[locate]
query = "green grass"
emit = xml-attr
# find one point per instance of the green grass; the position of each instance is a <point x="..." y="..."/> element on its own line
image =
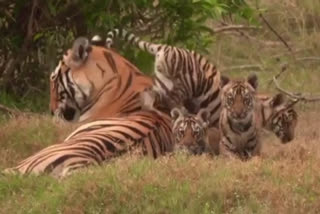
<point x="285" y="179"/>
<point x="37" y="102"/>
<point x="25" y="135"/>
<point x="141" y="185"/>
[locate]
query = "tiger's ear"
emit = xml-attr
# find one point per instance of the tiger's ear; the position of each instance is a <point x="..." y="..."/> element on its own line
<point x="80" y="51"/>
<point x="175" y="113"/>
<point x="204" y="115"/>
<point x="253" y="80"/>
<point x="277" y="100"/>
<point x="224" y="80"/>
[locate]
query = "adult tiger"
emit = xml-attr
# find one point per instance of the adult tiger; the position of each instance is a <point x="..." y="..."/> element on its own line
<point x="92" y="82"/>
<point x="182" y="77"/>
<point x="146" y="132"/>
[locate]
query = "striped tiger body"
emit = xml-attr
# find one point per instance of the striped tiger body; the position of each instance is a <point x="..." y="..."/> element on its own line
<point x="239" y="125"/>
<point x="93" y="82"/>
<point x="278" y="116"/>
<point x="182" y="77"/>
<point x="98" y="141"/>
<point x="275" y="115"/>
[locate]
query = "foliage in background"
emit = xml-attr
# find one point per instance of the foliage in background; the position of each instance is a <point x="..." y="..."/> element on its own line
<point x="34" y="33"/>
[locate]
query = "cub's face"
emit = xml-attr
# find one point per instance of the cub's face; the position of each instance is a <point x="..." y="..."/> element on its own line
<point x="190" y="131"/>
<point x="238" y="97"/>
<point x="280" y="116"/>
<point x="283" y="124"/>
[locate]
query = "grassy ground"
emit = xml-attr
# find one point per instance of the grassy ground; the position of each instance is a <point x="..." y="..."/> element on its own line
<point x="285" y="179"/>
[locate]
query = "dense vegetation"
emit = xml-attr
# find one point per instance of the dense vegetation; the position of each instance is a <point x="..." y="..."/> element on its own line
<point x="34" y="33"/>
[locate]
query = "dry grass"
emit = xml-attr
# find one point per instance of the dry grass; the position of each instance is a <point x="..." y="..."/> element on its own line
<point x="285" y="179"/>
<point x="23" y="136"/>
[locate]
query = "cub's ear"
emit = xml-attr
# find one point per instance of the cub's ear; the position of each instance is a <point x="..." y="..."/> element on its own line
<point x="253" y="80"/>
<point x="80" y="51"/>
<point x="277" y="100"/>
<point x="175" y="114"/>
<point x="224" y="80"/>
<point x="204" y="115"/>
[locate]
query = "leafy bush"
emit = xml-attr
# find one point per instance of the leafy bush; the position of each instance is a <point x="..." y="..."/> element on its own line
<point x="35" y="33"/>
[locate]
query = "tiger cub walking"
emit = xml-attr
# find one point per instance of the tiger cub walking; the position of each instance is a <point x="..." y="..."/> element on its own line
<point x="182" y="77"/>
<point x="239" y="125"/>
<point x="192" y="134"/>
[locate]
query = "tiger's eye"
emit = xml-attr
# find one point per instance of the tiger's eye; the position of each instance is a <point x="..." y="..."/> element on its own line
<point x="247" y="101"/>
<point x="229" y="100"/>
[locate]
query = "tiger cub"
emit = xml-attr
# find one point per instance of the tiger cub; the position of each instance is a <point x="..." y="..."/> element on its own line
<point x="192" y="134"/>
<point x="184" y="77"/>
<point x="239" y="125"/>
<point x="278" y="116"/>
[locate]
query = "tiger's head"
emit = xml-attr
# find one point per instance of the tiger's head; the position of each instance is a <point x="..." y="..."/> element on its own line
<point x="67" y="95"/>
<point x="280" y="116"/>
<point x="88" y="79"/>
<point x="238" y="97"/>
<point x="190" y="131"/>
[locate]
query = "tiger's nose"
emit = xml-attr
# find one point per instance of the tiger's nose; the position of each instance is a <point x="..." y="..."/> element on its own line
<point x="237" y="114"/>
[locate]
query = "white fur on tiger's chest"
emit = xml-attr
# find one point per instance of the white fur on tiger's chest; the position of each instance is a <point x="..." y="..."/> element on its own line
<point x="239" y="138"/>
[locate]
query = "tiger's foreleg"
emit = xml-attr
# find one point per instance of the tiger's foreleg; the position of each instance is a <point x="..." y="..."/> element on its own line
<point x="153" y="100"/>
<point x="225" y="152"/>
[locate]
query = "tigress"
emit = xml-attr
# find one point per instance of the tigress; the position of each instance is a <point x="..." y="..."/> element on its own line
<point x="97" y="83"/>
<point x="239" y="123"/>
<point x="182" y="77"/>
<point x="96" y="142"/>
<point x="93" y="82"/>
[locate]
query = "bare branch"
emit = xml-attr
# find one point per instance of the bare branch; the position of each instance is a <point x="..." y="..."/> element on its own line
<point x="239" y="32"/>
<point x="275" y="32"/>
<point x="234" y="27"/>
<point x="283" y="69"/>
<point x="8" y="110"/>
<point x="241" y="67"/>
<point x="295" y="96"/>
<point x="310" y="58"/>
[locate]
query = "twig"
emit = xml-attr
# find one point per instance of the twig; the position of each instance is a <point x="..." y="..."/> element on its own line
<point x="283" y="69"/>
<point x="234" y="27"/>
<point x="311" y="58"/>
<point x="9" y="110"/>
<point x="295" y="96"/>
<point x="275" y="32"/>
<point x="251" y="38"/>
<point x="241" y="67"/>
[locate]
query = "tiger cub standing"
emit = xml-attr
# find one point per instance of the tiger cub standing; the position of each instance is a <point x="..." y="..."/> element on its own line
<point x="239" y="125"/>
<point x="192" y="134"/>
<point x="182" y="77"/>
